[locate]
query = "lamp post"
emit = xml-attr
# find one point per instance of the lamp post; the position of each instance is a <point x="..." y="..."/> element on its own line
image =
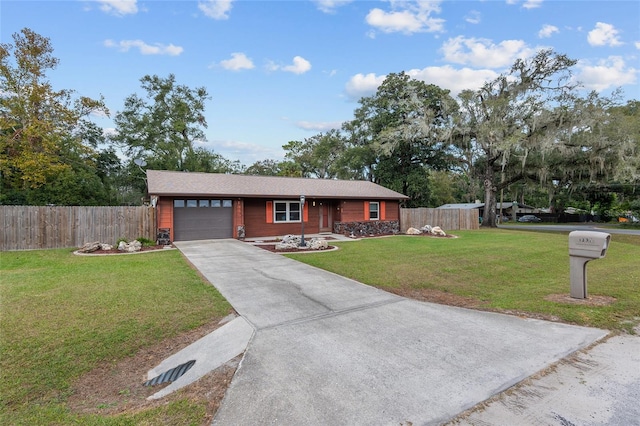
<point x="302" y="243"/>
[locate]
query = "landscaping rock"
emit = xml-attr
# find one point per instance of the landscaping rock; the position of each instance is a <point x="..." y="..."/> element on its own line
<point x="360" y="229"/>
<point x="131" y="247"/>
<point x="90" y="247"/>
<point x="426" y="229"/>
<point x="288" y="242"/>
<point x="106" y="247"/>
<point x="318" y="244"/>
<point x="293" y="242"/>
<point x="413" y="231"/>
<point x="290" y="239"/>
<point x="436" y="230"/>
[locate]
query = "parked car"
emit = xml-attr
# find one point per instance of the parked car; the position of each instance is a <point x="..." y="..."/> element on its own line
<point x="529" y="218"/>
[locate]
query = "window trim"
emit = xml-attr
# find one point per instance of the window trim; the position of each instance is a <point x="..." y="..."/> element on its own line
<point x="287" y="211"/>
<point x="377" y="211"/>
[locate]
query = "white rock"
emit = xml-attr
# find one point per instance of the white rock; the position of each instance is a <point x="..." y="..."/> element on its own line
<point x="318" y="244"/>
<point x="436" y="230"/>
<point x="413" y="231"/>
<point x="131" y="247"/>
<point x="90" y="247"/>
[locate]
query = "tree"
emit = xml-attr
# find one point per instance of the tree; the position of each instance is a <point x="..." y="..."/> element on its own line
<point x="598" y="162"/>
<point x="519" y="117"/>
<point x="318" y="155"/>
<point x="163" y="127"/>
<point x="399" y="134"/>
<point x="267" y="167"/>
<point x="47" y="141"/>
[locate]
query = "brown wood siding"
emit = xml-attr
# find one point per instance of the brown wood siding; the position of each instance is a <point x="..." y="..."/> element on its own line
<point x="391" y="210"/>
<point x="357" y="210"/>
<point x="352" y="211"/>
<point x="255" y="220"/>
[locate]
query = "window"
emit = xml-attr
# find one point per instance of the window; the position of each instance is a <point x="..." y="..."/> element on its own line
<point x="215" y="203"/>
<point x="374" y="210"/>
<point x="178" y="203"/>
<point x="286" y="211"/>
<point x="192" y="203"/>
<point x="203" y="203"/>
<point x="226" y="203"/>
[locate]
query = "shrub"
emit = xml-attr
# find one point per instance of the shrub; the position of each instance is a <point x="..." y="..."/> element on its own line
<point x="146" y="241"/>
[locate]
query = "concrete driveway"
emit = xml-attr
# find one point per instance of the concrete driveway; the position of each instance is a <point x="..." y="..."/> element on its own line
<point x="329" y="350"/>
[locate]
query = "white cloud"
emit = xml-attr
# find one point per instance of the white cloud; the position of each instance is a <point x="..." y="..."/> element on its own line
<point x="144" y="48"/>
<point x="119" y="7"/>
<point x="446" y="77"/>
<point x="547" y="31"/>
<point x="484" y="53"/>
<point x="473" y="17"/>
<point x="109" y="131"/>
<point x="323" y="126"/>
<point x="330" y="6"/>
<point x="455" y="80"/>
<point x="216" y="9"/>
<point x="363" y="85"/>
<point x="532" y="4"/>
<point x="604" y="35"/>
<point x="607" y="73"/>
<point x="528" y="4"/>
<point x="247" y="153"/>
<point x="299" y="66"/>
<point x="637" y="43"/>
<point x="407" y="17"/>
<point x="238" y="61"/>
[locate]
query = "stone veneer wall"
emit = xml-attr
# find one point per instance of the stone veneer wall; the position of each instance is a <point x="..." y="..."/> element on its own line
<point x="374" y="227"/>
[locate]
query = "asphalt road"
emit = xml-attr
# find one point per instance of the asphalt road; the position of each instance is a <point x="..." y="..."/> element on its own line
<point x="569" y="227"/>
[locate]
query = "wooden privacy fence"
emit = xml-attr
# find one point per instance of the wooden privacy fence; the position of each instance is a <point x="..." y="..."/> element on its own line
<point x="37" y="227"/>
<point x="447" y="219"/>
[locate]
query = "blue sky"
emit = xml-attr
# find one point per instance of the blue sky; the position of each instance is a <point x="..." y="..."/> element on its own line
<point x="286" y="70"/>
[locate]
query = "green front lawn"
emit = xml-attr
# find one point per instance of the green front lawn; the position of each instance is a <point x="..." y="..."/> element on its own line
<point x="64" y="315"/>
<point x="502" y="270"/>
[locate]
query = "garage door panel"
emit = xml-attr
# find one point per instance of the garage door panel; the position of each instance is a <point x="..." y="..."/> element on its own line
<point x="202" y="223"/>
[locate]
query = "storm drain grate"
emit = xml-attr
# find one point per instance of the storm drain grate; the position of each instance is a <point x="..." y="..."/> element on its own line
<point x="171" y="375"/>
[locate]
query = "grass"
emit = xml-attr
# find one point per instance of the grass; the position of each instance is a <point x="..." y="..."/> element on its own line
<point x="502" y="270"/>
<point x="63" y="315"/>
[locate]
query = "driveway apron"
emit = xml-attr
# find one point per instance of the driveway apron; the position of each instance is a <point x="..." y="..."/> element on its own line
<point x="330" y="350"/>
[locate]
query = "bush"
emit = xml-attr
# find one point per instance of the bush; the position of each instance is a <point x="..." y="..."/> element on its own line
<point x="146" y="242"/>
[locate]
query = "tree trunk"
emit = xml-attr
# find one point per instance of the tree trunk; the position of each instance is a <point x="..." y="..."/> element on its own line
<point x="489" y="216"/>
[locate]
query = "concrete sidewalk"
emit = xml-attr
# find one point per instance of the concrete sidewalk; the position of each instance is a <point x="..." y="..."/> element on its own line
<point x="329" y="350"/>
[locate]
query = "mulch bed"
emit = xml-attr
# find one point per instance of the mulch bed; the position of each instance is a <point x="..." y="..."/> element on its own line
<point x="272" y="248"/>
<point x="116" y="251"/>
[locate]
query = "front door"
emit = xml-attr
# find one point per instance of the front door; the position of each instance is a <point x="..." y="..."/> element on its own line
<point x="326" y="220"/>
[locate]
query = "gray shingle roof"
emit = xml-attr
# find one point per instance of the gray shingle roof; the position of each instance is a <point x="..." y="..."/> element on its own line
<point x="462" y="206"/>
<point x="166" y="183"/>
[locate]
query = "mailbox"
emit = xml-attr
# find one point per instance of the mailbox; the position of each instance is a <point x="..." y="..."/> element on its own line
<point x="591" y="245"/>
<point x="583" y="247"/>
